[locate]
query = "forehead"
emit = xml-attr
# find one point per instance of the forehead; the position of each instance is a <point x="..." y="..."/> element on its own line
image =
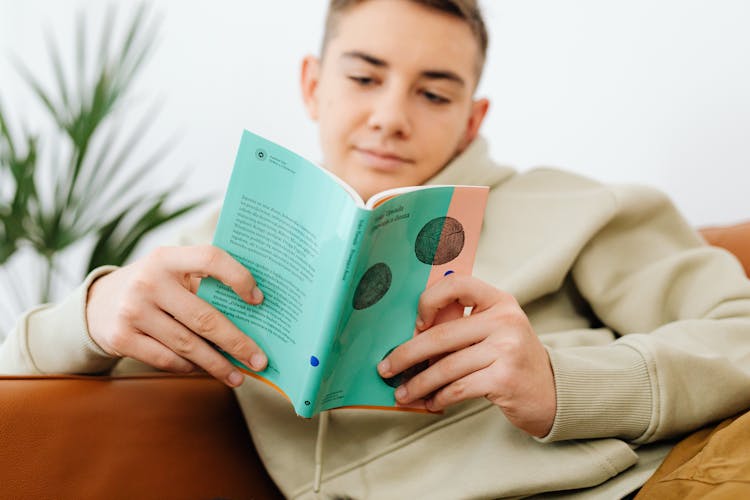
<point x="408" y="36"/>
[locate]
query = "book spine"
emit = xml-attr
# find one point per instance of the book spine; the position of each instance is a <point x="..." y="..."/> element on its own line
<point x="354" y="248"/>
<point x="309" y="403"/>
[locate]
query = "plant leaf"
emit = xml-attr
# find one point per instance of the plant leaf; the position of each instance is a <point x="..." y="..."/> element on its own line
<point x="39" y="91"/>
<point x="115" y="250"/>
<point x="62" y="86"/>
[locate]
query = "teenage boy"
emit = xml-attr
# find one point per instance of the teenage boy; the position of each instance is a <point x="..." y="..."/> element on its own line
<point x="601" y="324"/>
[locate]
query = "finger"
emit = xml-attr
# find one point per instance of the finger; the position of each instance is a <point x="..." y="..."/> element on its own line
<point x="473" y="386"/>
<point x="440" y="339"/>
<point x="144" y="348"/>
<point x="445" y="371"/>
<point x="194" y="283"/>
<point x="448" y="313"/>
<point x="208" y="260"/>
<point x="464" y="290"/>
<point x="206" y="321"/>
<point x="187" y="345"/>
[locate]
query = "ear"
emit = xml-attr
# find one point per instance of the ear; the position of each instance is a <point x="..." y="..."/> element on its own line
<point x="309" y="78"/>
<point x="476" y="117"/>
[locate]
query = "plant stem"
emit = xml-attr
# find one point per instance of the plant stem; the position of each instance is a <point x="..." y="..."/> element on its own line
<point x="47" y="280"/>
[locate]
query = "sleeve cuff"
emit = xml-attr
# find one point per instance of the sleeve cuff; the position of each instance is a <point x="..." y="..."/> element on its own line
<point x="602" y="391"/>
<point x="59" y="339"/>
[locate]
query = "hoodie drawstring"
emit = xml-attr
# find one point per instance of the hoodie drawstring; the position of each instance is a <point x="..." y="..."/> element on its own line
<point x="322" y="430"/>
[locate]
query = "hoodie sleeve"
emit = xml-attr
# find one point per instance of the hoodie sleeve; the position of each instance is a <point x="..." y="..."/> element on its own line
<point x="682" y="313"/>
<point x="54" y="338"/>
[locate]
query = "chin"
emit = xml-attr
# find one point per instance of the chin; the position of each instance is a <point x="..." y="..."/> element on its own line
<point x="366" y="190"/>
<point x="368" y="182"/>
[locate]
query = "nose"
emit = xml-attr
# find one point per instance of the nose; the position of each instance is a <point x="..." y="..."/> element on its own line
<point x="390" y="113"/>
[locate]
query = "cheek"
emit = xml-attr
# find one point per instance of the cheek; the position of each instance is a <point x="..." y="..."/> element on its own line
<point x="330" y="125"/>
<point x="440" y="137"/>
<point x="443" y="135"/>
<point x="338" y="117"/>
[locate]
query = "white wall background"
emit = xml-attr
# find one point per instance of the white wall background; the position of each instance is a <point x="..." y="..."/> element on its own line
<point x="646" y="91"/>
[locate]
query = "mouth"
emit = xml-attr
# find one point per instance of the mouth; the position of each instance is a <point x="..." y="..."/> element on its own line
<point x="382" y="160"/>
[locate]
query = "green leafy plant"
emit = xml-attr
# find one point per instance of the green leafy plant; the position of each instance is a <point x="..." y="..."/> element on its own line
<point x="79" y="182"/>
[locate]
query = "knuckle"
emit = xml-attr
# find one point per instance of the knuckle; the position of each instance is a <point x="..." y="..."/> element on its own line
<point x="506" y="297"/>
<point x="238" y="346"/>
<point x="142" y="285"/>
<point x="453" y="281"/>
<point x="400" y="357"/>
<point x="184" y="343"/>
<point x="244" y="276"/>
<point x="165" y="361"/>
<point x="205" y="321"/>
<point x="158" y="254"/>
<point x="118" y="340"/>
<point x="503" y="378"/>
<point x="447" y="366"/>
<point x="503" y="383"/>
<point x="461" y="280"/>
<point x="508" y="345"/>
<point x="457" y="284"/>
<point x="413" y="385"/>
<point x="456" y="391"/>
<point x="516" y="317"/>
<point x="170" y="362"/>
<point x="441" y="334"/>
<point x="127" y="313"/>
<point x="242" y="282"/>
<point x="398" y="354"/>
<point x="210" y="255"/>
<point x="218" y="367"/>
<point x="508" y="318"/>
<point x="395" y="359"/>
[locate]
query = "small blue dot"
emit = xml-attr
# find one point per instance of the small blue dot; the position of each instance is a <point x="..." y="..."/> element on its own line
<point x="314" y="361"/>
<point x="448" y="272"/>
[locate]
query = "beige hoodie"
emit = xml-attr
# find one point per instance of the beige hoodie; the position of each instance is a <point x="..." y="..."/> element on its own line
<point x="648" y="331"/>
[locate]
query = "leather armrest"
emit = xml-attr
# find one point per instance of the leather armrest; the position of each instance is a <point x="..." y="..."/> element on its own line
<point x="735" y="238"/>
<point x="146" y="436"/>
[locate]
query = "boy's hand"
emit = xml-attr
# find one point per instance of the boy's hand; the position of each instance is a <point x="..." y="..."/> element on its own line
<point x="493" y="353"/>
<point x="148" y="310"/>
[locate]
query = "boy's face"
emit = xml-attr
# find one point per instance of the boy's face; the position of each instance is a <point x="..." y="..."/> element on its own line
<point x="393" y="94"/>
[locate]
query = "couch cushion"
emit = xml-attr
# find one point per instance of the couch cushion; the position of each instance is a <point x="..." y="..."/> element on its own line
<point x="147" y="436"/>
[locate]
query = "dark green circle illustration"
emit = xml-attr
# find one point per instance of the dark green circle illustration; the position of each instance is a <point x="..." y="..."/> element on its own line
<point x="261" y="154"/>
<point x="405" y="375"/>
<point x="372" y="286"/>
<point x="439" y="241"/>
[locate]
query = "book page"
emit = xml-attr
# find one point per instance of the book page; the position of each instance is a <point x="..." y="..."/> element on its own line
<point x="286" y="221"/>
<point x="411" y="241"/>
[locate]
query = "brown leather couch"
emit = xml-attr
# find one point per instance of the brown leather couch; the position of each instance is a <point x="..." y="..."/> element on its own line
<point x="148" y="436"/>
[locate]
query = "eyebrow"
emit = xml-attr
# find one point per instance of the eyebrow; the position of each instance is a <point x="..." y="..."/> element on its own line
<point x="429" y="74"/>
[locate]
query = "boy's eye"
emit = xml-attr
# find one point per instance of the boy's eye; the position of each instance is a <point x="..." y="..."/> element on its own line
<point x="362" y="80"/>
<point x="434" y="98"/>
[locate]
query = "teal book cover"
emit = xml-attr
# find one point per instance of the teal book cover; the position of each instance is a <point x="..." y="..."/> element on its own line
<point x="341" y="276"/>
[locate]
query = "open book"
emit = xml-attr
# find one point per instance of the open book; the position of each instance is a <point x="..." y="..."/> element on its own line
<point x="341" y="277"/>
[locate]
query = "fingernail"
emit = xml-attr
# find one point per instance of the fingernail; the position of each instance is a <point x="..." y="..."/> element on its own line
<point x="420" y="323"/>
<point x="384" y="367"/>
<point x="257" y="362"/>
<point x="236" y="378"/>
<point x="401" y="393"/>
<point x="257" y="295"/>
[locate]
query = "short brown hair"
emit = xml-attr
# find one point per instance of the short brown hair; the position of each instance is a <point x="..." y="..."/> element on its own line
<point x="466" y="10"/>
